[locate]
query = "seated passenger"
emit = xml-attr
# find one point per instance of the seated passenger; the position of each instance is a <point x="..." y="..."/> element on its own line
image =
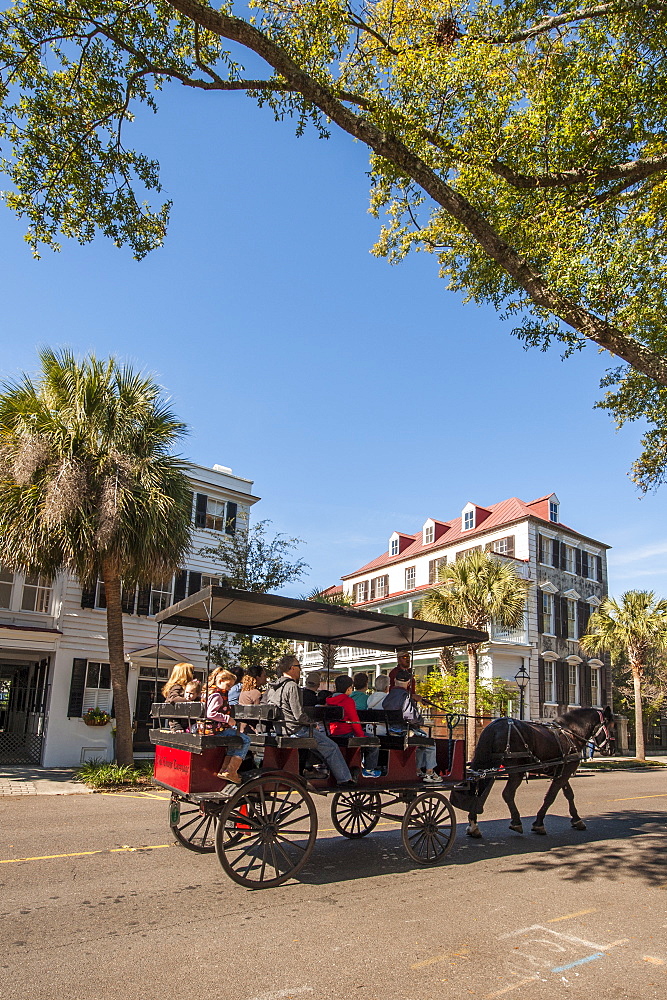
<point x="350" y="725"/>
<point x="310" y="689"/>
<point x="174" y="691"/>
<point x="375" y="701"/>
<point x="192" y="693"/>
<point x="360" y="693"/>
<point x="400" y="699"/>
<point x="217" y="711"/>
<point x="284" y="693"/>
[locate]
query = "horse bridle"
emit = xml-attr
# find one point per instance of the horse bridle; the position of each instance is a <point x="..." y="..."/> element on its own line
<point x="602" y="744"/>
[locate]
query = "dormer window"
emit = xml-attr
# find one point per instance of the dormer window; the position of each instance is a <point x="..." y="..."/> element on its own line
<point x="553" y="511"/>
<point x="468" y="519"/>
<point x="429" y="534"/>
<point x="393" y="547"/>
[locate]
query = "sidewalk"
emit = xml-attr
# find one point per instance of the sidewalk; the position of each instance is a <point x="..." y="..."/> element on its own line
<point x="40" y="781"/>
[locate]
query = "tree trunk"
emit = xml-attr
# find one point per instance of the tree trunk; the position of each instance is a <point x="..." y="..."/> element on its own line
<point x="640" y="750"/>
<point x="112" y="588"/>
<point x="471" y="729"/>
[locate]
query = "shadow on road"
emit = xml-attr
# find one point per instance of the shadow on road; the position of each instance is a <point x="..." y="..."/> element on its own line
<point x="627" y="845"/>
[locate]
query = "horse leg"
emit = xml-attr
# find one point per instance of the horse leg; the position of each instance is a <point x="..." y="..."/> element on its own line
<point x="509" y="791"/>
<point x="575" y="818"/>
<point x="472" y="829"/>
<point x="552" y="791"/>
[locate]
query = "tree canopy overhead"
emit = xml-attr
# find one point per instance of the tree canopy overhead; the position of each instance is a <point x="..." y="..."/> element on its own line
<point x="522" y="143"/>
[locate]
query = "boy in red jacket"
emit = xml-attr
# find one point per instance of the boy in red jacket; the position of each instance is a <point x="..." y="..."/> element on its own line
<point x="350" y="725"/>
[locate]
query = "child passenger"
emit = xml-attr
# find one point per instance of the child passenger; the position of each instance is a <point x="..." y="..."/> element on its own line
<point x="350" y="725"/>
<point x="218" y="711"/>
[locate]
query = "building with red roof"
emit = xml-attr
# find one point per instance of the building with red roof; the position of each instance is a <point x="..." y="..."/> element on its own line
<point x="568" y="573"/>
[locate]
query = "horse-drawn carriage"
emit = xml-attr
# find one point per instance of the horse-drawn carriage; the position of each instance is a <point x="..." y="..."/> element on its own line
<point x="263" y="830"/>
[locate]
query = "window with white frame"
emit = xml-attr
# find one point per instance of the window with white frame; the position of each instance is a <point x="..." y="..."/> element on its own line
<point x="595" y="686"/>
<point x="468" y="520"/>
<point x="571" y="619"/>
<point x="379" y="587"/>
<point x="209" y="581"/>
<point x="393" y="547"/>
<point x="97" y="692"/>
<point x="546" y="550"/>
<point x="434" y="567"/>
<point x="429" y="534"/>
<point x="410" y="577"/>
<point x="36" y="593"/>
<point x="553" y="511"/>
<point x="361" y="592"/>
<point x="549" y="693"/>
<point x="6" y="585"/>
<point x="215" y="514"/>
<point x="161" y="595"/>
<point x="573" y="683"/>
<point x="503" y="546"/>
<point x="547" y="613"/>
<point x="570" y="559"/>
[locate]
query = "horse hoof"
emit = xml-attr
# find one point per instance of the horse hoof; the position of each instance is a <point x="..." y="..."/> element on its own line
<point x="475" y="834"/>
<point x="579" y="825"/>
<point x="517" y="827"/>
<point x="539" y="829"/>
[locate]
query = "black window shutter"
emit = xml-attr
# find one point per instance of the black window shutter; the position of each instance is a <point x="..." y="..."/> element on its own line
<point x="230" y="519"/>
<point x="540" y="683"/>
<point x="200" y="510"/>
<point x="598" y="567"/>
<point x="179" y="585"/>
<point x="373" y="589"/>
<point x="583" y="612"/>
<point x="540" y="613"/>
<point x="561" y="673"/>
<point x="194" y="583"/>
<point x="88" y="595"/>
<point x="488" y="547"/>
<point x="555" y="559"/>
<point x="188" y="503"/>
<point x="144" y="600"/>
<point x="585" y="696"/>
<point x="510" y="545"/>
<point x="563" y="555"/>
<point x="127" y="597"/>
<point x="431" y="571"/>
<point x="558" y="624"/>
<point x="584" y="564"/>
<point x="577" y="561"/>
<point x="563" y="616"/>
<point x="76" y="689"/>
<point x="540" y="549"/>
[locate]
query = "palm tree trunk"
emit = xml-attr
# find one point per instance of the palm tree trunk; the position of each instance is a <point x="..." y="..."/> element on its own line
<point x="471" y="734"/>
<point x="112" y="588"/>
<point x="640" y="750"/>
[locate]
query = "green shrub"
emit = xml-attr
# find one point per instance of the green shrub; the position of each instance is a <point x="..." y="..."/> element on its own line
<point x="100" y="774"/>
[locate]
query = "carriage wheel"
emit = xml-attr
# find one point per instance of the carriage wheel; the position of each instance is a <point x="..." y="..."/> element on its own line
<point x="278" y="824"/>
<point x="191" y="827"/>
<point x="429" y="828"/>
<point x="355" y="814"/>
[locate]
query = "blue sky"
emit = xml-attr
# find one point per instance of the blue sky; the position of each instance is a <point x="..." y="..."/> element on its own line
<point x="360" y="397"/>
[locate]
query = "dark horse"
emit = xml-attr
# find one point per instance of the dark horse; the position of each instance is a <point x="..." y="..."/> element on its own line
<point x="553" y="749"/>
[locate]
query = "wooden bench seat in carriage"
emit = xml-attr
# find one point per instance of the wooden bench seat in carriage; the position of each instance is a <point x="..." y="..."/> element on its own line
<point x="188" y="762"/>
<point x="280" y="751"/>
<point x="394" y="719"/>
<point x="326" y="714"/>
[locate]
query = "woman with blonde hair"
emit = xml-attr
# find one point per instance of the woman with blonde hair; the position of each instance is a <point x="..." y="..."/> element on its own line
<point x="219" y="713"/>
<point x="174" y="690"/>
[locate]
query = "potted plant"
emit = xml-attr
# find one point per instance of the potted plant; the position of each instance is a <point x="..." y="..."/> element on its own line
<point x="96" y="717"/>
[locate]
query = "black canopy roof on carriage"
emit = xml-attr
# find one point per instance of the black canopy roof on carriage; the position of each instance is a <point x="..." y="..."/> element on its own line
<point x="226" y="610"/>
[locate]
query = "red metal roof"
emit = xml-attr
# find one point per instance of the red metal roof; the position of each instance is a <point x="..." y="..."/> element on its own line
<point x="506" y="512"/>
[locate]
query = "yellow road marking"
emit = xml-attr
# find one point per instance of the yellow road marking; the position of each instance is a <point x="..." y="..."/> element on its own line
<point x="662" y="795"/>
<point x="513" y="986"/>
<point x="83" y="854"/>
<point x="613" y="944"/>
<point x="568" y="916"/>
<point x="653" y="961"/>
<point x="428" y="961"/>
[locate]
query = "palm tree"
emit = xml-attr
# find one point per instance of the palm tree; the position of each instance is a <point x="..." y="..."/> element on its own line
<point x="637" y="626"/>
<point x="88" y="484"/>
<point x="336" y="596"/>
<point x="473" y="592"/>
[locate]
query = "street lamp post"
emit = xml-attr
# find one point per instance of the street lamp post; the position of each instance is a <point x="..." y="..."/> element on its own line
<point x="522" y="677"/>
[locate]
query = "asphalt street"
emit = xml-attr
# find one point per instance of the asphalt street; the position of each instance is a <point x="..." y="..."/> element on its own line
<point x="97" y="902"/>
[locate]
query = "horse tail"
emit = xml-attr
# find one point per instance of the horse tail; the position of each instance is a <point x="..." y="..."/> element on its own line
<point x="491" y="746"/>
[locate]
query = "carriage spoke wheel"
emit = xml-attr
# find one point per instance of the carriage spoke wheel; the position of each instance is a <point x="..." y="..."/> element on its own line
<point x="429" y="828"/>
<point x="355" y="814"/>
<point x="191" y="827"/>
<point x="277" y="823"/>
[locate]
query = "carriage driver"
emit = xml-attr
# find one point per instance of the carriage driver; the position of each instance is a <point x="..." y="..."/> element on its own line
<point x="284" y="693"/>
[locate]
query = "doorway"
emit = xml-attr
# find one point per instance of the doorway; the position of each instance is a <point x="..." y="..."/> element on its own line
<point x="23" y="698"/>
